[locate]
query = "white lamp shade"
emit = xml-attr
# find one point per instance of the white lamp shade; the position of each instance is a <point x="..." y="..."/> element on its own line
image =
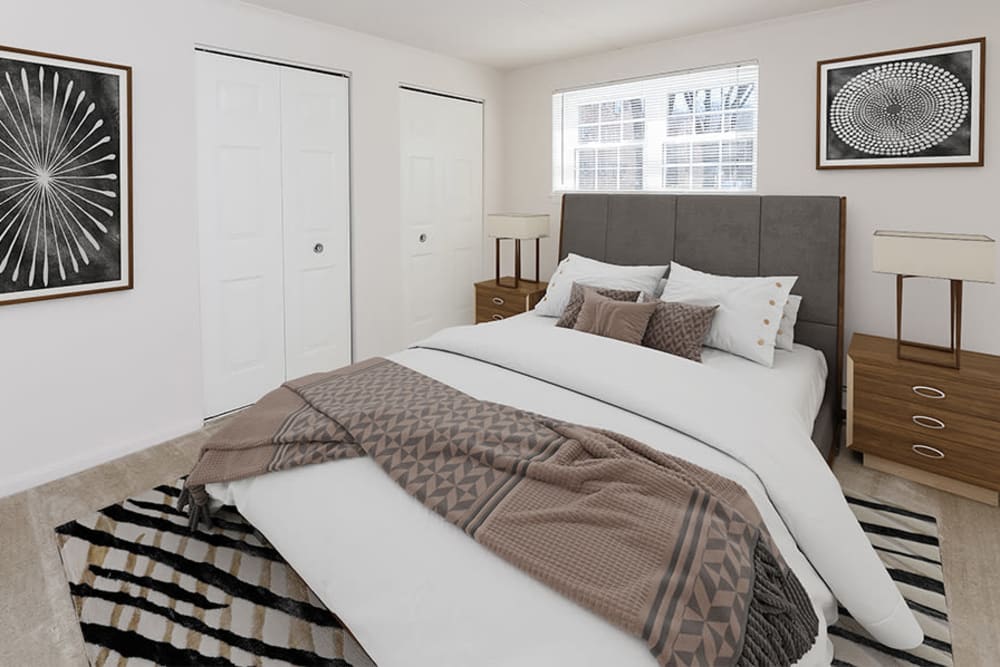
<point x="517" y="226"/>
<point x="935" y="255"/>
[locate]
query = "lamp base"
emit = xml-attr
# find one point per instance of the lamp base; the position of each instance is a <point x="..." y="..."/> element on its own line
<point x="925" y="353"/>
<point x="510" y="282"/>
<point x="517" y="264"/>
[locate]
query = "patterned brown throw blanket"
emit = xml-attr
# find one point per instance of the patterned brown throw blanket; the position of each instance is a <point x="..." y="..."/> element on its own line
<point x="663" y="549"/>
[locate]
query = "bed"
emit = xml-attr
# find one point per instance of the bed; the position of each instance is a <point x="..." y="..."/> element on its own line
<point x="737" y="236"/>
<point x="416" y="591"/>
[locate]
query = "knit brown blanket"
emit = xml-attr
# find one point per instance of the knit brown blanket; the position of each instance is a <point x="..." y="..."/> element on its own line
<point x="661" y="548"/>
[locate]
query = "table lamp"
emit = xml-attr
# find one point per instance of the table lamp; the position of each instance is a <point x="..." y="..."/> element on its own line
<point x="519" y="227"/>
<point x="954" y="257"/>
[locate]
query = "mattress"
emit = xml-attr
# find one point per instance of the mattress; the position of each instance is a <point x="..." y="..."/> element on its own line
<point x="413" y="588"/>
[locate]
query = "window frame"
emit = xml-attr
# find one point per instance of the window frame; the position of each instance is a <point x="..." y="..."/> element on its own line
<point x="740" y="164"/>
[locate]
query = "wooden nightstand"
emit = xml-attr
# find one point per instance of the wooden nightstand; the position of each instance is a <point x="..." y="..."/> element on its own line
<point x="495" y="302"/>
<point x="932" y="425"/>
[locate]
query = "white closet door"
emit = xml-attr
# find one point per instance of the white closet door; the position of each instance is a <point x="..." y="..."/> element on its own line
<point x="441" y="172"/>
<point x="317" y="254"/>
<point x="239" y="209"/>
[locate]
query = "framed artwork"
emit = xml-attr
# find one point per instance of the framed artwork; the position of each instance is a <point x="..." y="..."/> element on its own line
<point x="65" y="176"/>
<point x="919" y="107"/>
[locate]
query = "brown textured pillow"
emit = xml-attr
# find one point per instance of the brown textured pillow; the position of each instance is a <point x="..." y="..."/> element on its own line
<point x="572" y="309"/>
<point x="621" y="320"/>
<point x="678" y="328"/>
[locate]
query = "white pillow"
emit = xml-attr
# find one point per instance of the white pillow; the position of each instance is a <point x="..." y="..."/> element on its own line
<point x="786" y="332"/>
<point x="749" y="314"/>
<point x="586" y="271"/>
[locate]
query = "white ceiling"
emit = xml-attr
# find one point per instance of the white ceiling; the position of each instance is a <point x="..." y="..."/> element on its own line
<point x="514" y="33"/>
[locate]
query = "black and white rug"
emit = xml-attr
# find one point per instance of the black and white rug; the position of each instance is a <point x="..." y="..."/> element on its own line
<point x="908" y="543"/>
<point x="148" y="591"/>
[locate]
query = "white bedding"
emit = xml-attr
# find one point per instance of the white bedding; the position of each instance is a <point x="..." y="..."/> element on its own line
<point x="797" y="379"/>
<point x="417" y="591"/>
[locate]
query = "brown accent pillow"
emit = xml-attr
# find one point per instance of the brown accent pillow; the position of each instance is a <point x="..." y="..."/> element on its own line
<point x="678" y="328"/>
<point x="575" y="303"/>
<point x="621" y="320"/>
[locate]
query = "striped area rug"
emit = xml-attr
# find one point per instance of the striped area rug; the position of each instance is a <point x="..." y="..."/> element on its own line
<point x="908" y="544"/>
<point x="146" y="590"/>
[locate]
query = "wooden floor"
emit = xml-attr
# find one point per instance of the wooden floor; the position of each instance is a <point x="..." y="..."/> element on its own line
<point x="38" y="625"/>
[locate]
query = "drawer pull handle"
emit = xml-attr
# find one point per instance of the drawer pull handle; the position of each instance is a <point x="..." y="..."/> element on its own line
<point x="498" y="301"/>
<point x="928" y="452"/>
<point x="928" y="422"/>
<point x="928" y="392"/>
<point x="498" y="317"/>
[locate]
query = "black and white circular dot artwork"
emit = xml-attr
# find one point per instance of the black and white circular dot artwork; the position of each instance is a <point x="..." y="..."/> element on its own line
<point x="899" y="109"/>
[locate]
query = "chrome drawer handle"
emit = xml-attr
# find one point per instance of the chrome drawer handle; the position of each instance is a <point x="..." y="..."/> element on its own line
<point x="928" y="422"/>
<point x="928" y="392"/>
<point x="928" y="452"/>
<point x="498" y="317"/>
<point x="498" y="301"/>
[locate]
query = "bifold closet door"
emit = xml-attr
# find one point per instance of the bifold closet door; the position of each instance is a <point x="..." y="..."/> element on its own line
<point x="441" y="175"/>
<point x="316" y="214"/>
<point x="273" y="182"/>
<point x="239" y="212"/>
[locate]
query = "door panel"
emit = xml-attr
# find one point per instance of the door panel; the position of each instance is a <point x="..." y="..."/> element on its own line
<point x="239" y="208"/>
<point x="316" y="212"/>
<point x="239" y="314"/>
<point x="441" y="174"/>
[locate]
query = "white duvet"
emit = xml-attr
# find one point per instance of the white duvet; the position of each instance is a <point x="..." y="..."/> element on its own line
<point x="417" y="592"/>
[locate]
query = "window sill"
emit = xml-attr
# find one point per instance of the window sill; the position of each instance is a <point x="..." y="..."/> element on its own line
<point x="555" y="194"/>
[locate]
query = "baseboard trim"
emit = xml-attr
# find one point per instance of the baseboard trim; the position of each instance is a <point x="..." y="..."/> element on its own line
<point x="29" y="479"/>
<point x="940" y="482"/>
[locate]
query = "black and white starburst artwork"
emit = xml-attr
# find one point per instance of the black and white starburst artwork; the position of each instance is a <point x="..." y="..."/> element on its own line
<point x="64" y="224"/>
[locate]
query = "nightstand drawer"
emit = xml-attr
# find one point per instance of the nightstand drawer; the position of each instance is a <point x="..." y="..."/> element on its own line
<point x="491" y="314"/>
<point x="972" y="464"/>
<point x="497" y="302"/>
<point x="932" y="393"/>
<point x="920" y="420"/>
<point x="501" y="301"/>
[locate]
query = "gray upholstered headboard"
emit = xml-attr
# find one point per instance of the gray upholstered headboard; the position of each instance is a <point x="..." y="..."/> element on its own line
<point x="731" y="235"/>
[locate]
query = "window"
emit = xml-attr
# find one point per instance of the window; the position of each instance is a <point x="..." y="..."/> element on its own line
<point x="690" y="131"/>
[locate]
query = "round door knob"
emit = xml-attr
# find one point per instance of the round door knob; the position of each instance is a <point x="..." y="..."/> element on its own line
<point x="422" y="238"/>
<point x="318" y="248"/>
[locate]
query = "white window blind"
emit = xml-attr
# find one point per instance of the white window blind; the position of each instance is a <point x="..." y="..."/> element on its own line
<point x="688" y="131"/>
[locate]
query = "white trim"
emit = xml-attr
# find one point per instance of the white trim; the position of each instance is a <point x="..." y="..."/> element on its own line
<point x="37" y="476"/>
<point x="427" y="90"/>
<point x="559" y="193"/>
<point x="285" y="62"/>
<point x="658" y="75"/>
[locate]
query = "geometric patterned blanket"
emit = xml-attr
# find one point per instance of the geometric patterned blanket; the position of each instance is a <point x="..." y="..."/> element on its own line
<point x="663" y="549"/>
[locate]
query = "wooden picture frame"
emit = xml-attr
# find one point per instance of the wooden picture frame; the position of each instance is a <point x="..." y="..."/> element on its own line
<point x="65" y="176"/>
<point x="916" y="107"/>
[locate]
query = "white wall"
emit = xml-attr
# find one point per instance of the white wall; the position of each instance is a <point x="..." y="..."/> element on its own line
<point x="955" y="199"/>
<point x="86" y="379"/>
